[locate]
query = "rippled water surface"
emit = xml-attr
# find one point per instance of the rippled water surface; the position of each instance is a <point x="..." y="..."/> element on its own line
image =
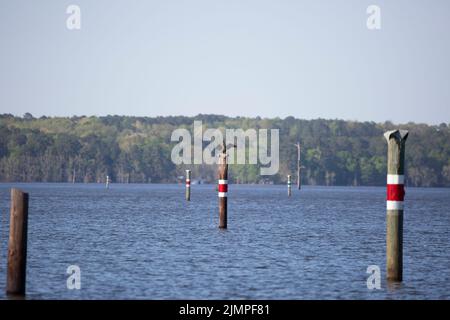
<point x="146" y="242"/>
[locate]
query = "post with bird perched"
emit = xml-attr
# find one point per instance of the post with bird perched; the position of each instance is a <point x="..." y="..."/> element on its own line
<point x="394" y="205"/>
<point x="223" y="187"/>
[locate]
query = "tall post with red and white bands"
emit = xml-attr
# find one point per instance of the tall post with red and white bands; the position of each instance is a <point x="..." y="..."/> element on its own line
<point x="394" y="203"/>
<point x="223" y="189"/>
<point x="188" y="185"/>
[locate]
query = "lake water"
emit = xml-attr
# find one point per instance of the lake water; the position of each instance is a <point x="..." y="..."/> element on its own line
<point x="147" y="242"/>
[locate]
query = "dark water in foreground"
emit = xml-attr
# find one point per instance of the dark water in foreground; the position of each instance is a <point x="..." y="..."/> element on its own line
<point x="146" y="242"/>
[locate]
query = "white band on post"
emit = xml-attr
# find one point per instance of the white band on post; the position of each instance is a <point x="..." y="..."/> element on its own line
<point x="394" y="205"/>
<point x="395" y="179"/>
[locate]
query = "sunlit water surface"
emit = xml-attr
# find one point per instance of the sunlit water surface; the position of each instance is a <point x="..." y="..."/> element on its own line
<point x="147" y="242"/>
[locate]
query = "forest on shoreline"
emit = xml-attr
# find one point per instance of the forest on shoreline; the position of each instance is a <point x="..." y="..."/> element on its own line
<point x="138" y="150"/>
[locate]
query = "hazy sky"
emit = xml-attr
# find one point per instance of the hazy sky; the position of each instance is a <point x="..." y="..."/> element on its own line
<point x="307" y="59"/>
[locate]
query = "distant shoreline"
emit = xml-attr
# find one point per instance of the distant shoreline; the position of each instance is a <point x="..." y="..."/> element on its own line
<point x="206" y="184"/>
<point x="138" y="150"/>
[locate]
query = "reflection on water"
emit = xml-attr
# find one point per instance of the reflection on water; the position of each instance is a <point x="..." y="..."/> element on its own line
<point x="394" y="286"/>
<point x="147" y="242"/>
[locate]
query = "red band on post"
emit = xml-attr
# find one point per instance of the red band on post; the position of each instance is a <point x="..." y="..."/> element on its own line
<point x="395" y="192"/>
<point x="223" y="188"/>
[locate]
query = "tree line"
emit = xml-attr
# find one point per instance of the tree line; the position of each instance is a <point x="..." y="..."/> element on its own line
<point x="138" y="150"/>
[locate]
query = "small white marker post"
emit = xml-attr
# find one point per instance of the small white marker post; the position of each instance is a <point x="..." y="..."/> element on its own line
<point x="188" y="185"/>
<point x="289" y="184"/>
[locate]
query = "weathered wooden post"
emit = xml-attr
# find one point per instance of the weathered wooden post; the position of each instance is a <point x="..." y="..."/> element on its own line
<point x="299" y="166"/>
<point x="188" y="185"/>
<point x="17" y="244"/>
<point x="223" y="187"/>
<point x="394" y="205"/>
<point x="289" y="184"/>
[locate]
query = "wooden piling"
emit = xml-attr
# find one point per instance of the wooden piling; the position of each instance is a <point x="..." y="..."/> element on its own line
<point x="188" y="185"/>
<point x="223" y="187"/>
<point x="289" y="184"/>
<point x="17" y="244"/>
<point x="394" y="203"/>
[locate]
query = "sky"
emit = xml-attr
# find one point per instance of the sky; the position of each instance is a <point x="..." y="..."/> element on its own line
<point x="278" y="58"/>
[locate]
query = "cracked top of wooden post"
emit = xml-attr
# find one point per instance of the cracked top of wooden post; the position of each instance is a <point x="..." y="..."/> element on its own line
<point x="398" y="134"/>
